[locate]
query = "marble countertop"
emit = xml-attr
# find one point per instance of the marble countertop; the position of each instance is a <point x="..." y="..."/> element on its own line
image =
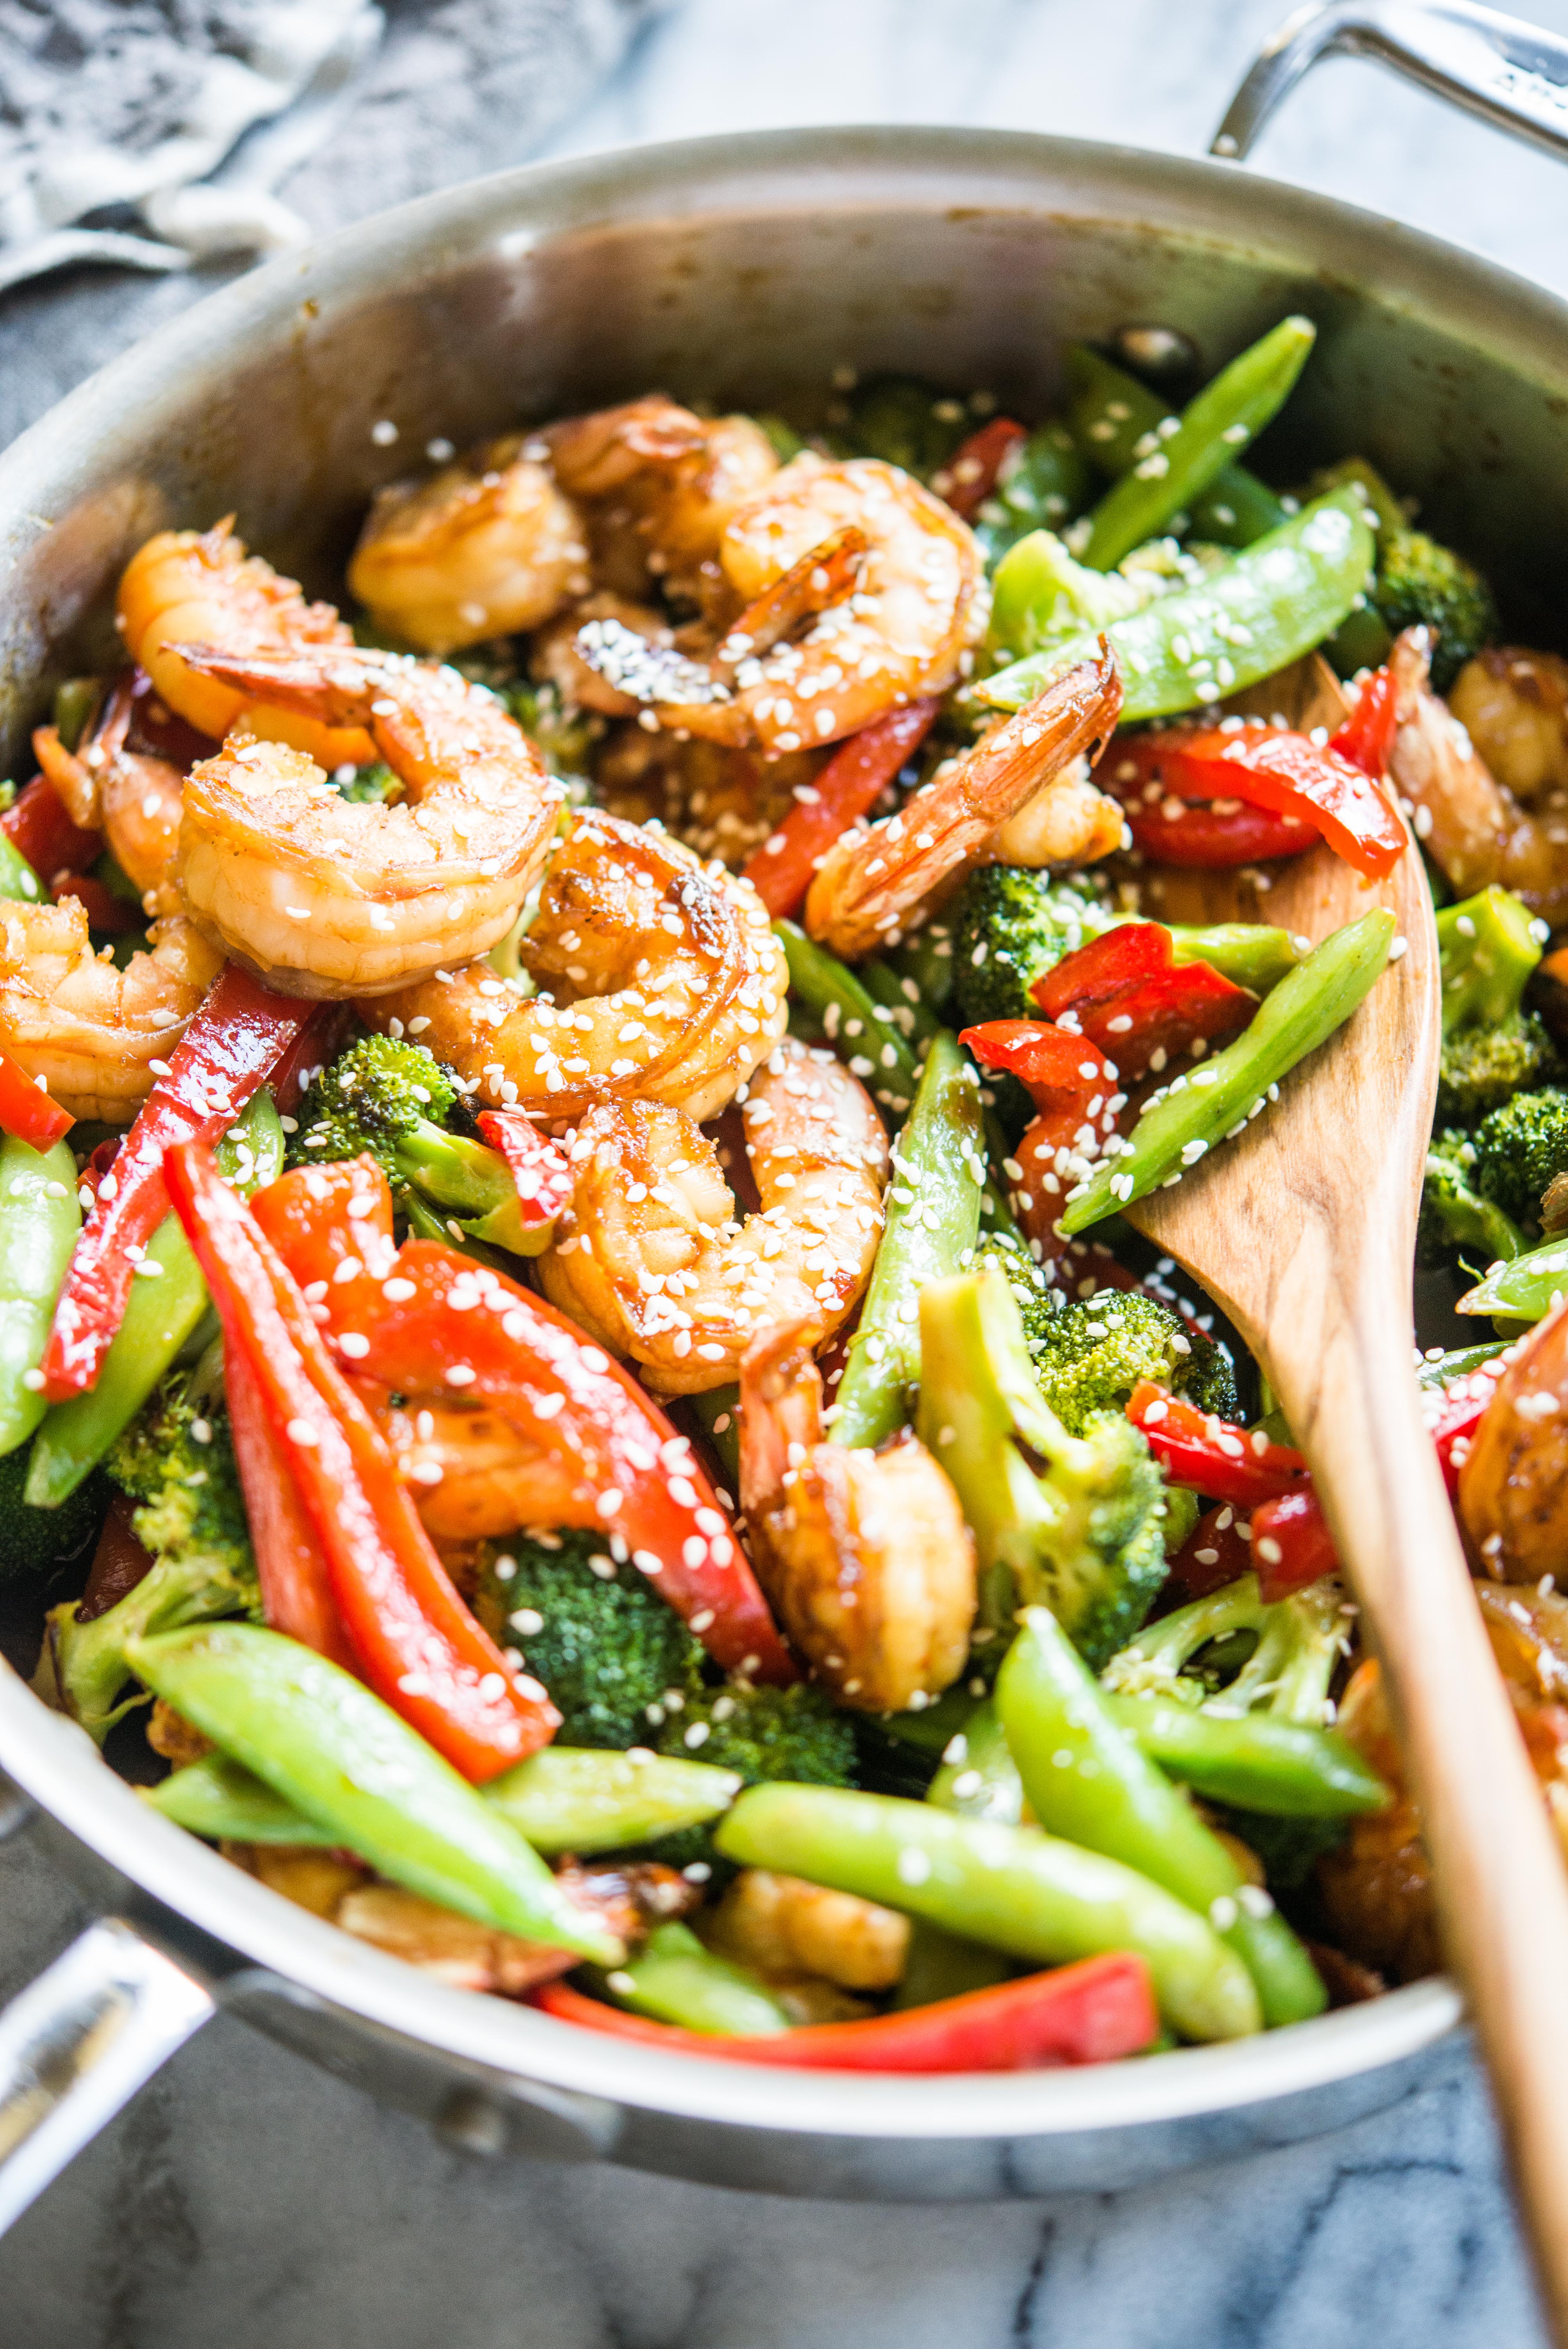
<point x="248" y="2199"/>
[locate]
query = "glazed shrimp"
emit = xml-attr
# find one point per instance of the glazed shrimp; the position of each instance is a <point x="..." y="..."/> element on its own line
<point x="651" y="1258"/>
<point x="1513" y="1486"/>
<point x="473" y="1475"/>
<point x="1472" y="823"/>
<point x="876" y="873"/>
<point x="784" y="1927"/>
<point x="661" y="484"/>
<point x="93" y="1033"/>
<point x="325" y="897"/>
<point x="886" y="575"/>
<point x="1513" y="705"/>
<point x="865" y="1555"/>
<point x="133" y="797"/>
<point x="201" y="588"/>
<point x="668" y="984"/>
<point x="487" y="547"/>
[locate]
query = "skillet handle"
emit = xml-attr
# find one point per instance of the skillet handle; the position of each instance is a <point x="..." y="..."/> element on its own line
<point x="1513" y="74"/>
<point x="76" y="2045"/>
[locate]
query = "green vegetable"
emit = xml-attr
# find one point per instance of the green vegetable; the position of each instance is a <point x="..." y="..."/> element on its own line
<point x="1089" y="1781"/>
<point x="560" y="1800"/>
<point x="1291" y="1652"/>
<point x="716" y="1412"/>
<point x="1457" y="1364"/>
<point x="392" y="1097"/>
<point x="1113" y="414"/>
<point x="1263" y="610"/>
<point x="33" y="1540"/>
<point x="564" y="738"/>
<point x="40" y="1215"/>
<point x="321" y="1740"/>
<point x="1091" y="1353"/>
<point x="932" y="1221"/>
<point x="1042" y="597"/>
<point x="676" y="1980"/>
<point x="1481" y="1068"/>
<point x="163" y="1316"/>
<point x="1492" y="1046"/>
<point x="1252" y="1760"/>
<point x="1420" y="584"/>
<point x="758" y="1734"/>
<point x="979" y="1777"/>
<point x="1526" y="1288"/>
<point x="17" y="878"/>
<point x="1519" y="1149"/>
<point x="1453" y="1213"/>
<point x="1041" y="486"/>
<point x="610" y="1651"/>
<point x="1082" y="1533"/>
<point x="75" y="702"/>
<point x="1215" y="427"/>
<point x="1019" y="1891"/>
<point x="1184" y="1120"/>
<point x="906" y="423"/>
<point x="840" y="1008"/>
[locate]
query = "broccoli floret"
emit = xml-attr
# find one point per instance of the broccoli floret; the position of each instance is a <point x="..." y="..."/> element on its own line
<point x="176" y="1461"/>
<point x="1481" y="1068"/>
<point x="617" y="1660"/>
<point x="392" y="1099"/>
<point x="906" y="422"/>
<point x="1421" y="584"/>
<point x="1234" y="1653"/>
<point x="797" y="1733"/>
<point x="32" y="1540"/>
<point x="1492" y="1046"/>
<point x="1519" y="1149"/>
<point x="1453" y="1213"/>
<point x="1090" y="1354"/>
<point x="1010" y="926"/>
<point x="1080" y="1534"/>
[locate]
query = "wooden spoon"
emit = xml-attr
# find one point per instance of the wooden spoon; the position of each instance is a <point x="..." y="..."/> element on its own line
<point x="1303" y="1230"/>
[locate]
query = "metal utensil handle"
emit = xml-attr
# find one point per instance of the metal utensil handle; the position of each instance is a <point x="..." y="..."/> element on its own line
<point x="1513" y="74"/>
<point x="76" y="2045"/>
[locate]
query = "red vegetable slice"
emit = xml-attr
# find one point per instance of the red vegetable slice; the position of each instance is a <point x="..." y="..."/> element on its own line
<point x="296" y="1588"/>
<point x="853" y="781"/>
<point x="1129" y="996"/>
<point x="226" y="1054"/>
<point x="1272" y="768"/>
<point x="103" y="910"/>
<point x="320" y="1217"/>
<point x="1215" y="1552"/>
<point x="1366" y="737"/>
<point x="26" y="1109"/>
<point x="539" y="1167"/>
<point x="1292" y="1546"/>
<point x="1213" y="840"/>
<point x="1464" y="1404"/>
<point x="419" y="1647"/>
<point x="1091" y="2012"/>
<point x="1211" y="1454"/>
<point x="38" y="826"/>
<point x="972" y="472"/>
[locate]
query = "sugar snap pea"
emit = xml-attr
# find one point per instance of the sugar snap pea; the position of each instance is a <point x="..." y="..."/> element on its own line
<point x="1524" y="1289"/>
<point x="40" y="1215"/>
<point x="1013" y="1887"/>
<point x="1184" y="1120"/>
<point x="842" y="1012"/>
<point x="1087" y="1780"/>
<point x="1251" y="1759"/>
<point x="1263" y="610"/>
<point x="1213" y="428"/>
<point x="1113" y="415"/>
<point x="676" y="1980"/>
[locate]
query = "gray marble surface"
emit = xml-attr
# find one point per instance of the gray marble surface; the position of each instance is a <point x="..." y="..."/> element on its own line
<point x="247" y="2200"/>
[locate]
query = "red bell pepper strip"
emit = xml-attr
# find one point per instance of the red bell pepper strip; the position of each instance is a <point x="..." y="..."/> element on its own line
<point x="972" y="472"/>
<point x="1211" y="1454"/>
<point x="38" y="826"/>
<point x="320" y="1217"/>
<point x="539" y="1166"/>
<point x="318" y="1043"/>
<point x="442" y="1324"/>
<point x="1073" y="1086"/>
<point x="1216" y="1551"/>
<point x="1291" y="1545"/>
<point x="1213" y="840"/>
<point x="296" y="1588"/>
<point x="1464" y="1406"/>
<point x="853" y="781"/>
<point x="26" y="1109"/>
<point x="1366" y="737"/>
<point x="103" y="910"/>
<point x="226" y="1054"/>
<point x="1272" y="768"/>
<point x="420" y="1648"/>
<point x="1130" y="997"/>
<point x="1091" y="2012"/>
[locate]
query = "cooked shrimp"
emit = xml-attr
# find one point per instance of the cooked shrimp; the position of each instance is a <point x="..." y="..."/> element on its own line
<point x="887" y="576"/>
<point x="669" y="985"/>
<point x="1472" y="823"/>
<point x="91" y="1032"/>
<point x="722" y="803"/>
<point x="487" y="547"/>
<point x="325" y="897"/>
<point x="876" y="873"/>
<point x="865" y="1555"/>
<point x="660" y="484"/>
<point x="474" y="1477"/>
<point x="1513" y="705"/>
<point x="1513" y="1486"/>
<point x="650" y="1258"/>
<point x="554" y="658"/>
<point x="783" y="1926"/>
<point x="132" y="796"/>
<point x="201" y="588"/>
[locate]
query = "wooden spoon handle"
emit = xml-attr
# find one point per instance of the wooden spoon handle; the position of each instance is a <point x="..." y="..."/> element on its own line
<point x="1498" y="1872"/>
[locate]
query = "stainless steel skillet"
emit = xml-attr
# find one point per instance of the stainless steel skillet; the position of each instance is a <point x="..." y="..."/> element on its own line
<point x="744" y="270"/>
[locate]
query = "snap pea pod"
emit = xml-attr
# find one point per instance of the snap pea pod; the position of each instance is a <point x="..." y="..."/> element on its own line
<point x="981" y="1781"/>
<point x="1013" y="1887"/>
<point x="1524" y="1289"/>
<point x="1112" y="413"/>
<point x="716" y="1412"/>
<point x="1253" y="1760"/>
<point x="163" y="1313"/>
<point x="320" y="1739"/>
<point x="1249" y="954"/>
<point x="1262" y="611"/>
<point x="1456" y="1365"/>
<point x="17" y="878"/>
<point x="1183" y="1121"/>
<point x="564" y="1798"/>
<point x="1228" y="413"/>
<point x="75" y="702"/>
<point x="1089" y="1781"/>
<point x="676" y="1980"/>
<point x="40" y="1215"/>
<point x="933" y="1214"/>
<point x="843" y="1012"/>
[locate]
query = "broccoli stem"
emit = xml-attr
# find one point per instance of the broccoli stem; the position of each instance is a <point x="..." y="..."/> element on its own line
<point x="87" y="1661"/>
<point x="1299" y="1642"/>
